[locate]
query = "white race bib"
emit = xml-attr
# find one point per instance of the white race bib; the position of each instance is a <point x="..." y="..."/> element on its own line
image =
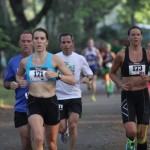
<point x="136" y="69"/>
<point x="37" y="74"/>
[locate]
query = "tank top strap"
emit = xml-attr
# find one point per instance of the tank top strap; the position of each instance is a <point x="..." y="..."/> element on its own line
<point x="48" y="59"/>
<point x="127" y="54"/>
<point x="28" y="64"/>
<point x="29" y="61"/>
<point x="49" y="62"/>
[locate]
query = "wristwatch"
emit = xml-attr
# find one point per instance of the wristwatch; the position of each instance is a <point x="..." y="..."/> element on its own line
<point x="59" y="76"/>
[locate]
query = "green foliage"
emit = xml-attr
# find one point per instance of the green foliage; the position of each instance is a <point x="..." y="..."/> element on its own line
<point x="7" y="97"/>
<point x="4" y="39"/>
<point x="108" y="33"/>
<point x="5" y="42"/>
<point x="134" y="11"/>
<point x="77" y="17"/>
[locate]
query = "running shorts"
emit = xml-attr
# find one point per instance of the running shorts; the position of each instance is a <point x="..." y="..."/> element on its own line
<point x="70" y="105"/>
<point x="20" y="119"/>
<point x="135" y="106"/>
<point x="46" y="107"/>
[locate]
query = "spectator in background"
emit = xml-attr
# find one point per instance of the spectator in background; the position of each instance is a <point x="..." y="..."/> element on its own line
<point x="94" y="59"/>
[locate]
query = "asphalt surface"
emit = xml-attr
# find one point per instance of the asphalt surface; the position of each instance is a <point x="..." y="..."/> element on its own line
<point x="100" y="127"/>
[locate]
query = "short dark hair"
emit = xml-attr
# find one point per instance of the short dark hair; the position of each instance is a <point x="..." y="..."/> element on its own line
<point x="26" y="32"/>
<point x="42" y="30"/>
<point x="134" y="27"/>
<point x="66" y="34"/>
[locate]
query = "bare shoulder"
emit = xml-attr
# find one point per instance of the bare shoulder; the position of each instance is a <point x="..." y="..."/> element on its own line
<point x="56" y="60"/>
<point x="23" y="62"/>
<point x="55" y="57"/>
<point x="120" y="55"/>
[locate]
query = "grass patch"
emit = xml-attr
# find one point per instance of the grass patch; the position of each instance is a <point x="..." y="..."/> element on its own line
<point x="7" y="97"/>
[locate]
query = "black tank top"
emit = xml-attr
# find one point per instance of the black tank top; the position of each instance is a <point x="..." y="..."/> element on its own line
<point x="107" y="59"/>
<point x="130" y="68"/>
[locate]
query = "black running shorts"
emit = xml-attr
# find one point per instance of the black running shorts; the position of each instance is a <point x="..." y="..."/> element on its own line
<point x="20" y="119"/>
<point x="70" y="105"/>
<point x="135" y="106"/>
<point x="46" y="107"/>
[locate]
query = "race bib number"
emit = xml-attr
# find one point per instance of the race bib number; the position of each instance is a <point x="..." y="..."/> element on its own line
<point x="37" y="74"/>
<point x="136" y="69"/>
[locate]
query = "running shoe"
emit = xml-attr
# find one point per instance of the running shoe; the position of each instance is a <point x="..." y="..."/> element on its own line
<point x="130" y="145"/>
<point x="65" y="138"/>
<point x="93" y="98"/>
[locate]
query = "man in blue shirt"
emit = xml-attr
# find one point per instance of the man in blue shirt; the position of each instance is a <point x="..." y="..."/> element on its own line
<point x="20" y="117"/>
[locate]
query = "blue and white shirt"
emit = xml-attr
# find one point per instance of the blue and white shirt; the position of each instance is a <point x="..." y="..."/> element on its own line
<point x="20" y="93"/>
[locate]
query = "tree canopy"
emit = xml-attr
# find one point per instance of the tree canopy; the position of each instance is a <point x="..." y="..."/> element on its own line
<point x="78" y="17"/>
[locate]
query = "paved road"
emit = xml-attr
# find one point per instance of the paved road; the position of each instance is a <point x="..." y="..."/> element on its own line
<point x="100" y="127"/>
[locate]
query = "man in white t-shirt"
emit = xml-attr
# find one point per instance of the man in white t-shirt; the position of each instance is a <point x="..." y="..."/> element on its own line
<point x="69" y="96"/>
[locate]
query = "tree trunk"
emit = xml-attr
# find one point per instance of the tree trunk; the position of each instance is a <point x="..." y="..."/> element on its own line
<point x="4" y="15"/>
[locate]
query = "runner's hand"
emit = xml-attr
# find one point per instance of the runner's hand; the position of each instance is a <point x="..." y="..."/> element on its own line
<point x="125" y="86"/>
<point x="85" y="80"/>
<point x="144" y="77"/>
<point x="14" y="85"/>
<point x="50" y="74"/>
<point x="22" y="83"/>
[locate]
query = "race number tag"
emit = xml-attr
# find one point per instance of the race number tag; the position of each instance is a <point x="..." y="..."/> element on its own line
<point x="37" y="74"/>
<point x="136" y="69"/>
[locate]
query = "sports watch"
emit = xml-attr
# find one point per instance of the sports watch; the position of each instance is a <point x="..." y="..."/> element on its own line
<point x="59" y="76"/>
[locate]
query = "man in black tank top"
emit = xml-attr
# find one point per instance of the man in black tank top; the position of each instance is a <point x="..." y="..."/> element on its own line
<point x="134" y="62"/>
